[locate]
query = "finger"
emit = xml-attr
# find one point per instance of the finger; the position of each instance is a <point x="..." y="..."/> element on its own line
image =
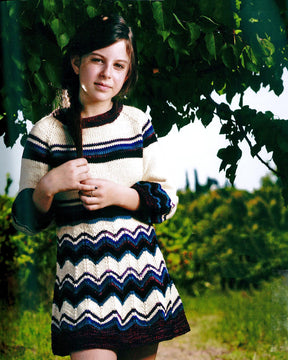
<point x="82" y="177"/>
<point x="86" y="188"/>
<point x="78" y="162"/>
<point x="95" y="182"/>
<point x="81" y="162"/>
<point x="88" y="197"/>
<point x="91" y="207"/>
<point x="88" y="192"/>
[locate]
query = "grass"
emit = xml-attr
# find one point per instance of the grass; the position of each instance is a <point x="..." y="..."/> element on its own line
<point x="248" y="325"/>
<point x="25" y="335"/>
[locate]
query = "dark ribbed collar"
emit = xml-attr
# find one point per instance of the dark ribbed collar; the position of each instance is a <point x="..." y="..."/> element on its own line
<point x="106" y="118"/>
<point x="103" y="119"/>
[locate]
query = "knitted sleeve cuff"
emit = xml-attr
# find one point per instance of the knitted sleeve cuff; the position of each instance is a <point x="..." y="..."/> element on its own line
<point x="155" y="204"/>
<point x="26" y="217"/>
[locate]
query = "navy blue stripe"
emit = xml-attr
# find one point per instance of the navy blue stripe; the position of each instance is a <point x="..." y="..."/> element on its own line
<point x="36" y="152"/>
<point x="100" y="294"/>
<point x="96" y="254"/>
<point x="73" y="215"/>
<point x="135" y="319"/>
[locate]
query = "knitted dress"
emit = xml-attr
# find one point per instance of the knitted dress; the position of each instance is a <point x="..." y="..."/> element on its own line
<point x="112" y="287"/>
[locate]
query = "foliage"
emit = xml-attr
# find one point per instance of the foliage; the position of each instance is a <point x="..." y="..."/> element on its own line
<point x="8" y="248"/>
<point x="27" y="263"/>
<point x="186" y="51"/>
<point x="227" y="237"/>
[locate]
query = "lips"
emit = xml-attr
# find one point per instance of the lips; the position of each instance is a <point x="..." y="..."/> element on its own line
<point x="102" y="86"/>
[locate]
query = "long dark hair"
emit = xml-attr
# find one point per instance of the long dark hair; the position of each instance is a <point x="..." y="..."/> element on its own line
<point x="95" y="34"/>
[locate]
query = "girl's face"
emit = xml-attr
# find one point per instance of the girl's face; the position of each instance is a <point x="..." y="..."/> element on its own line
<point x="102" y="74"/>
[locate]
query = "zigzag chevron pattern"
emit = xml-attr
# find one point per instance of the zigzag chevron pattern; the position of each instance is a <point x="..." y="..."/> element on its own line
<point x="124" y="314"/>
<point x="102" y="246"/>
<point x="135" y="265"/>
<point x="122" y="233"/>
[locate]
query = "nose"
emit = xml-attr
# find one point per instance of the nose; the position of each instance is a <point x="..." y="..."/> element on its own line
<point x="106" y="71"/>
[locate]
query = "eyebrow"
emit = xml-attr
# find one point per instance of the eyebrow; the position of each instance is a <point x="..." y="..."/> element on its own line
<point x="117" y="60"/>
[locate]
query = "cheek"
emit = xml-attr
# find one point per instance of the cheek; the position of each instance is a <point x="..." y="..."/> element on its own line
<point x="121" y="79"/>
<point x="86" y="75"/>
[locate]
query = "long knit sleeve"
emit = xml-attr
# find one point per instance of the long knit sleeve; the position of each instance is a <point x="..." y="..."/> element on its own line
<point x="35" y="163"/>
<point x="26" y="217"/>
<point x="158" y="199"/>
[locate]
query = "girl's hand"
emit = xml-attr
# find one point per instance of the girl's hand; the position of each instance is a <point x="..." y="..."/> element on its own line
<point x="107" y="193"/>
<point x="68" y="176"/>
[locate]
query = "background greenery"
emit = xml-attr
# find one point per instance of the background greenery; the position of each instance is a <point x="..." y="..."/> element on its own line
<point x="186" y="51"/>
<point x="226" y="250"/>
<point x="222" y="238"/>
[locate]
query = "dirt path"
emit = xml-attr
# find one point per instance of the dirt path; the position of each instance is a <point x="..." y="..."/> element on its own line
<point x="191" y="347"/>
<point x="172" y="350"/>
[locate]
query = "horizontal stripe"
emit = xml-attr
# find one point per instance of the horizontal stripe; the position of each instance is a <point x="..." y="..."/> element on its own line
<point x="88" y="290"/>
<point x="113" y="310"/>
<point x="149" y="136"/>
<point x="77" y="214"/>
<point x="109" y="274"/>
<point x="106" y="247"/>
<point x="104" y="263"/>
<point x="114" y="338"/>
<point x="115" y="237"/>
<point x="36" y="150"/>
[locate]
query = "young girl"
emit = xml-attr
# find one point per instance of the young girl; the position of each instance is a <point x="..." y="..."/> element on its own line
<point x="94" y="168"/>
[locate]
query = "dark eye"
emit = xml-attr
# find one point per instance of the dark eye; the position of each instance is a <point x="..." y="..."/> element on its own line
<point x="119" y="66"/>
<point x="97" y="60"/>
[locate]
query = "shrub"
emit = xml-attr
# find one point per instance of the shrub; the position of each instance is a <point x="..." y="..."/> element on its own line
<point x="229" y="237"/>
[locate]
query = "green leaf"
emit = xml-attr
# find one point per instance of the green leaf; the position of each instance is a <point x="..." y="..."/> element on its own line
<point x="249" y="60"/>
<point x="178" y="21"/>
<point x="195" y="33"/>
<point x="173" y="43"/>
<point x="229" y="155"/>
<point x="207" y="24"/>
<point x="255" y="150"/>
<point x="269" y="61"/>
<point x="40" y="83"/>
<point x="238" y="4"/>
<point x="225" y="129"/>
<point x="231" y="173"/>
<point x="211" y="44"/>
<point x="228" y="56"/>
<point x="91" y="11"/>
<point x="165" y="34"/>
<point x="12" y="9"/>
<point x="52" y="73"/>
<point x="49" y="5"/>
<point x="224" y="112"/>
<point x="205" y="112"/>
<point x="158" y="14"/>
<point x="237" y="20"/>
<point x="56" y="26"/>
<point x="159" y="18"/>
<point x="18" y="62"/>
<point x="34" y="63"/>
<point x="63" y="40"/>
